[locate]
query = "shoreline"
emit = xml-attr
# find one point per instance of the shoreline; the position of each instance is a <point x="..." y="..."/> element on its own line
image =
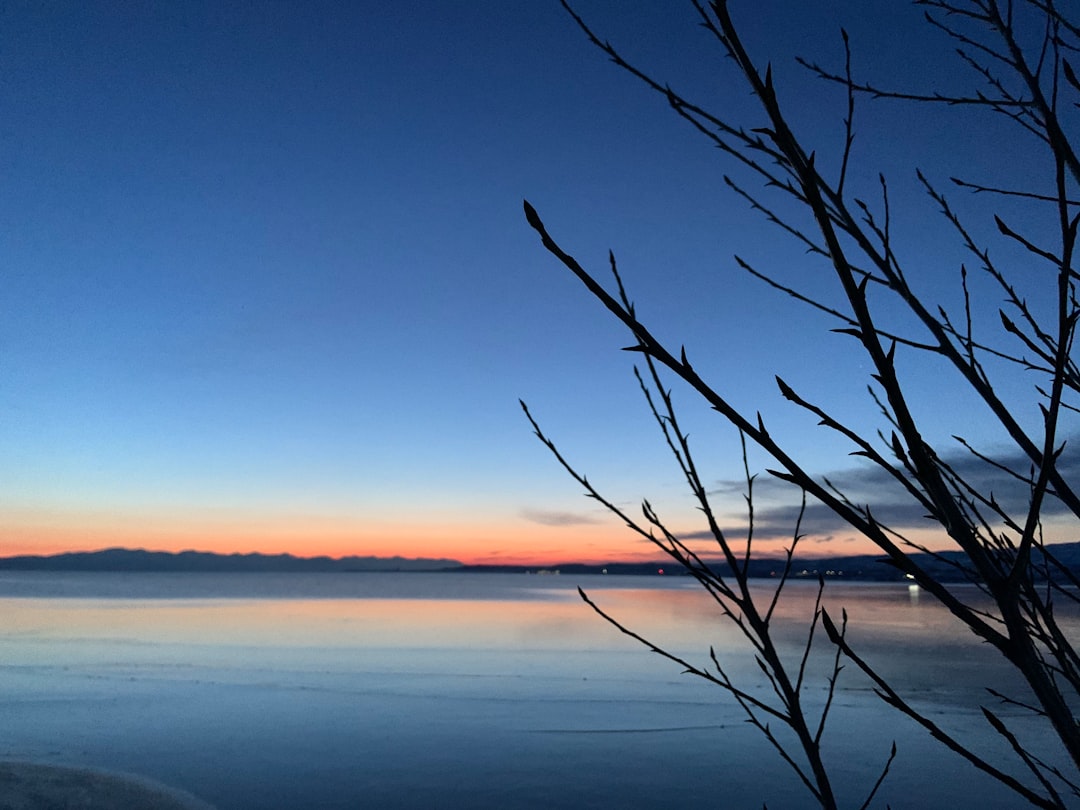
<point x="36" y="785"/>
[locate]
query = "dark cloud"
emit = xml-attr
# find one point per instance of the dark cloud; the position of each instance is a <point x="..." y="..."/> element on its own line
<point x="550" y="518"/>
<point x="688" y="537"/>
<point x="776" y="511"/>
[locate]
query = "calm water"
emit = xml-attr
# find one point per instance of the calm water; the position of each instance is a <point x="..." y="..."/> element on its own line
<point x="456" y="690"/>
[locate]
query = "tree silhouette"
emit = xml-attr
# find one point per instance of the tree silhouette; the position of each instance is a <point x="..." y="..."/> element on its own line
<point x="1017" y="55"/>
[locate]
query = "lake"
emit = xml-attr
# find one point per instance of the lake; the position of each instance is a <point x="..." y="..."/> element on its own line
<point x="448" y="690"/>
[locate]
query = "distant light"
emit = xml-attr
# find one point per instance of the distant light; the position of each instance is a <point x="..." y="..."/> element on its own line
<point x="660" y="570"/>
<point x="603" y="571"/>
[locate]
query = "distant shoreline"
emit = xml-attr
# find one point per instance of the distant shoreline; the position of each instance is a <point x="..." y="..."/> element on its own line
<point x="123" y="559"/>
<point x="874" y="568"/>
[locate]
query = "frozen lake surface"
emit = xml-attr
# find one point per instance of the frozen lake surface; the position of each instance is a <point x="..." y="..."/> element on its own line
<point x="459" y="690"/>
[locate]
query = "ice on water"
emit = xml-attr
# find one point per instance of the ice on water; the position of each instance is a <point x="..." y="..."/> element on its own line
<point x="449" y="690"/>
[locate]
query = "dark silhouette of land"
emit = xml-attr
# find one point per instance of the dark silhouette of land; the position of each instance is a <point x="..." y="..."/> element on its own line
<point x="869" y="567"/>
<point x="122" y="559"/>
<point x="866" y="568"/>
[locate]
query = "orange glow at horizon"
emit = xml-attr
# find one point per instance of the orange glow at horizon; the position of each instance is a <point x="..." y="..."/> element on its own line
<point x="510" y="541"/>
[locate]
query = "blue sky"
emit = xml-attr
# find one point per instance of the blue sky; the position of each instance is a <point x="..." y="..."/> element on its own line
<point x="268" y="285"/>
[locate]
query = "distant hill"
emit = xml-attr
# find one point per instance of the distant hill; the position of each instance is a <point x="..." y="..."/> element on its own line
<point x="868" y="567"/>
<point x="872" y="567"/>
<point x="121" y="559"/>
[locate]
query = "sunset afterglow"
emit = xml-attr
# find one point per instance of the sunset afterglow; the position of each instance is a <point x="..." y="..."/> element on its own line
<point x="269" y="287"/>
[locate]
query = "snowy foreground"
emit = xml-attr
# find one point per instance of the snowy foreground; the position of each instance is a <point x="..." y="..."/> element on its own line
<point x="494" y="695"/>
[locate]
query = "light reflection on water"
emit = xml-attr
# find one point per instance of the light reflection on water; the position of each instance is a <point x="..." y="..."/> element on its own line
<point x="428" y="610"/>
<point x="243" y="688"/>
<point x="911" y="638"/>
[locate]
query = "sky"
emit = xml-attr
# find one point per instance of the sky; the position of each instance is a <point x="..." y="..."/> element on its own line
<point x="267" y="284"/>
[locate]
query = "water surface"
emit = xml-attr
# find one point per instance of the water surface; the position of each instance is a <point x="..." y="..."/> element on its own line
<point x="458" y="690"/>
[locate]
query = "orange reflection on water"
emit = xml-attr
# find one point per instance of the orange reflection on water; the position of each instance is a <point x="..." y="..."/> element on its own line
<point x="681" y="618"/>
<point x="383" y="623"/>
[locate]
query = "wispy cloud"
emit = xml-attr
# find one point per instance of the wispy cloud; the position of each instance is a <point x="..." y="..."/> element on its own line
<point x="547" y="517"/>
<point x="776" y="510"/>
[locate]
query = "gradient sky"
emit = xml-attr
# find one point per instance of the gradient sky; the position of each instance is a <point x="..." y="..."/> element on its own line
<point x="268" y="286"/>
